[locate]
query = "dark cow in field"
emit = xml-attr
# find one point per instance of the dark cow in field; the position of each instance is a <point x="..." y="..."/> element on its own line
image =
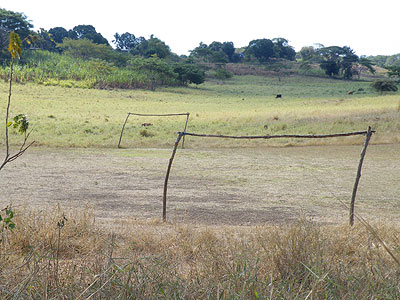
<point x="278" y="96"/>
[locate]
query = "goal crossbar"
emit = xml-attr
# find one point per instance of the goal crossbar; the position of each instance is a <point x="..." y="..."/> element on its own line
<point x="302" y="136"/>
<point x="154" y="115"/>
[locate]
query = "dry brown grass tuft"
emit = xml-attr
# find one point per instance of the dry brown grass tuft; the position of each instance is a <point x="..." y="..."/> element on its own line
<point x="152" y="260"/>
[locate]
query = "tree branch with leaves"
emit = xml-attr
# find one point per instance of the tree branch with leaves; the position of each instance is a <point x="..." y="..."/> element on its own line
<point x="20" y="121"/>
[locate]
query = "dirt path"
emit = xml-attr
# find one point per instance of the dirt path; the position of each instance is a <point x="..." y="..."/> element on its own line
<point x="231" y="186"/>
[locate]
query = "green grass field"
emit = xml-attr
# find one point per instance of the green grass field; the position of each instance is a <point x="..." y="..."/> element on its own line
<point x="244" y="105"/>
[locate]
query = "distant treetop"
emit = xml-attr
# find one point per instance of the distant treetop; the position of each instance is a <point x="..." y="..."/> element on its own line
<point x="14" y="21"/>
<point x="78" y="32"/>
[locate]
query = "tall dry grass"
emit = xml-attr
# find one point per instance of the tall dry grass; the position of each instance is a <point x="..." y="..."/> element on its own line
<point x="151" y="260"/>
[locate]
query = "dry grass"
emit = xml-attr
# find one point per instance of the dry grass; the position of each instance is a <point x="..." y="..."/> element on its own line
<point x="151" y="260"/>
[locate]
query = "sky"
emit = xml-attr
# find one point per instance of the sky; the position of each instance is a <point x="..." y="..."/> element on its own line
<point x="368" y="27"/>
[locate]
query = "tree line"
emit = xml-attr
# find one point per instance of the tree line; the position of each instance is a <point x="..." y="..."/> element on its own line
<point x="155" y="56"/>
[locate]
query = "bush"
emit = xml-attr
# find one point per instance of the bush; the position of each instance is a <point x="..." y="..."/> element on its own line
<point x="384" y="85"/>
<point x="189" y="73"/>
<point x="222" y="74"/>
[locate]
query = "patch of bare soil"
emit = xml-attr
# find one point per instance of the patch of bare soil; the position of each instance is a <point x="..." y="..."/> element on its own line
<point x="213" y="187"/>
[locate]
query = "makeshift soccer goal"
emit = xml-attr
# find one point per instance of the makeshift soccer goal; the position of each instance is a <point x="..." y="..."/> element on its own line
<point x="368" y="133"/>
<point x="155" y="115"/>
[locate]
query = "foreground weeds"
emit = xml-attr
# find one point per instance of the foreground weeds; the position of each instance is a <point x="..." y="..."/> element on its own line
<point x="56" y="255"/>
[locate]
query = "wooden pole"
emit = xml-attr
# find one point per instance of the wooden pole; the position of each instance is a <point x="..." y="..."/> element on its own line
<point x="184" y="131"/>
<point x="353" y="196"/>
<point x="180" y="134"/>
<point x="303" y="136"/>
<point x="123" y="127"/>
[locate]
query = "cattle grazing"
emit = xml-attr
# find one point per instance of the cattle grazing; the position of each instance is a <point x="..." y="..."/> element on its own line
<point x="350" y="92"/>
<point x="278" y="96"/>
<point x="146" y="124"/>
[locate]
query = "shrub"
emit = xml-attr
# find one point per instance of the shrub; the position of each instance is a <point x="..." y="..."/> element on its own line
<point x="222" y="74"/>
<point x="384" y="85"/>
<point x="189" y="73"/>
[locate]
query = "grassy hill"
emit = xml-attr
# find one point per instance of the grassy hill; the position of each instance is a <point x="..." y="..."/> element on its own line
<point x="243" y="105"/>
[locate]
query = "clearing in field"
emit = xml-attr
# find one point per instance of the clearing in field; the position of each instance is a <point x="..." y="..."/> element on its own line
<point x="237" y="187"/>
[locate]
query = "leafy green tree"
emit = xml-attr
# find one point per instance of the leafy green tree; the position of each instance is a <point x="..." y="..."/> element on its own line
<point x="216" y="52"/>
<point x="90" y="33"/>
<point x="201" y="51"/>
<point x="229" y="49"/>
<point x="13" y="21"/>
<point x="43" y="40"/>
<point x="83" y="30"/>
<point x="58" y="34"/>
<point x="307" y="53"/>
<point x="394" y="71"/>
<point x="237" y="57"/>
<point x="364" y="65"/>
<point x="384" y="61"/>
<point x="379" y="60"/>
<point x="189" y="73"/>
<point x="261" y="49"/>
<point x="125" y="41"/>
<point x="86" y="49"/>
<point x="336" y="59"/>
<point x="215" y="46"/>
<point x="393" y="60"/>
<point x="330" y="67"/>
<point x="367" y="63"/>
<point x="83" y="48"/>
<point x="152" y="46"/>
<point x="156" y="70"/>
<point x="330" y="60"/>
<point x="156" y="47"/>
<point x="348" y="58"/>
<point x="282" y="49"/>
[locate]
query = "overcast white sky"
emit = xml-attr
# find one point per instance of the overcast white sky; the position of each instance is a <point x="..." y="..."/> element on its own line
<point x="369" y="27"/>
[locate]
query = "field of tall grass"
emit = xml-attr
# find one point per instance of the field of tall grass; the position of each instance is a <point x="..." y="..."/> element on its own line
<point x="243" y="105"/>
<point x="56" y="255"/>
<point x="53" y="69"/>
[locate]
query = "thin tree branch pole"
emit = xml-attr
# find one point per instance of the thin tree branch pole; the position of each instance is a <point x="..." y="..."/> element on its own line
<point x="122" y="131"/>
<point x="161" y="115"/>
<point x="184" y="130"/>
<point x="8" y="109"/>
<point x="167" y="176"/>
<point x="311" y="136"/>
<point x="353" y="196"/>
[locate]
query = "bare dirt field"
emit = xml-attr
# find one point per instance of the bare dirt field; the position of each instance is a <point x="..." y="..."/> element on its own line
<point x="242" y="186"/>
